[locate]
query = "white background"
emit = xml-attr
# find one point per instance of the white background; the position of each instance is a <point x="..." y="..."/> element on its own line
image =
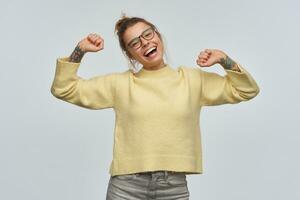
<point x="50" y="149"/>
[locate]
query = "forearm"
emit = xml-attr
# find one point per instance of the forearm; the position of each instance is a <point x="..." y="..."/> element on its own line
<point x="229" y="64"/>
<point x="234" y="87"/>
<point x="76" y="55"/>
<point x="94" y="93"/>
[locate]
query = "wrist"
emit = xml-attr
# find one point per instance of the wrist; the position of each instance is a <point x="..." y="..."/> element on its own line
<point x="77" y="54"/>
<point x="227" y="63"/>
<point x="222" y="59"/>
<point x="79" y="47"/>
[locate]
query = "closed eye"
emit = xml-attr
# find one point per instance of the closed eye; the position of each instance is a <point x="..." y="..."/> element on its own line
<point x="134" y="42"/>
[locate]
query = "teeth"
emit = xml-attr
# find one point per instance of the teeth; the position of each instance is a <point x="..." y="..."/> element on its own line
<point x="149" y="50"/>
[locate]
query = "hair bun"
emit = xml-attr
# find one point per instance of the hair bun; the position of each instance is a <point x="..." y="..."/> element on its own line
<point x="120" y="22"/>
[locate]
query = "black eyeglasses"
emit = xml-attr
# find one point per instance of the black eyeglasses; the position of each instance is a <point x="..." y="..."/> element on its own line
<point x="147" y="34"/>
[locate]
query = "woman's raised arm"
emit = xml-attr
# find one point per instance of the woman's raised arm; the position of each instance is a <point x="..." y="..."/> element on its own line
<point x="94" y="93"/>
<point x="236" y="86"/>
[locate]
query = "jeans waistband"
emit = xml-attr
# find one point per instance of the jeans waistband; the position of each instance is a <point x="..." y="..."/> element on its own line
<point x="157" y="173"/>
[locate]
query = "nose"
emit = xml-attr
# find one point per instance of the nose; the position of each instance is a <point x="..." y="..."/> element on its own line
<point x="144" y="41"/>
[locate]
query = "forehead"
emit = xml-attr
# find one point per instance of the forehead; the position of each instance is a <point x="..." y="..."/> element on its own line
<point x="134" y="31"/>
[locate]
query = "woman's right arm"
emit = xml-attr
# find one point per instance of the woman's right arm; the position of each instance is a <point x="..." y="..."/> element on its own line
<point x="94" y="93"/>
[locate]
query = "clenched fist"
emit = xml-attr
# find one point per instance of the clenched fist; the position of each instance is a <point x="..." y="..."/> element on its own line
<point x="92" y="43"/>
<point x="209" y="57"/>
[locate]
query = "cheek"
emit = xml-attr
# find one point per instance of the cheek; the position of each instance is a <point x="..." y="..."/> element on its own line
<point x="160" y="44"/>
<point x="161" y="48"/>
<point x="132" y="54"/>
<point x="137" y="55"/>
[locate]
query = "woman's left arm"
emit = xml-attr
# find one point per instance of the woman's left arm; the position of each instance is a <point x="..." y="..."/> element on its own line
<point x="210" y="57"/>
<point x="238" y="85"/>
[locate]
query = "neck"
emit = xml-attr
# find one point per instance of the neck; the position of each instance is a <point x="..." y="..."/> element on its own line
<point x="155" y="67"/>
<point x="158" y="73"/>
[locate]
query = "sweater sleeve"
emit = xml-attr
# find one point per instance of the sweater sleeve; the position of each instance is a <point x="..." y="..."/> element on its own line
<point x="232" y="88"/>
<point x="94" y="93"/>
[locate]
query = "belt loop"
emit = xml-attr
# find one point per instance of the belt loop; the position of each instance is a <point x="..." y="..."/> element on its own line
<point x="166" y="175"/>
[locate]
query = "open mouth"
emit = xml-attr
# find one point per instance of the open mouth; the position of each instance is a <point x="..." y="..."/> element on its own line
<point x="150" y="52"/>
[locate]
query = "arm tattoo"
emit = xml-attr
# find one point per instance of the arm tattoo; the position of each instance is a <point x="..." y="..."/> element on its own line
<point x="77" y="55"/>
<point x="228" y="63"/>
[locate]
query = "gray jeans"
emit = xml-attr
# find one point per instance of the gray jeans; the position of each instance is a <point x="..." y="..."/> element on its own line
<point x="159" y="185"/>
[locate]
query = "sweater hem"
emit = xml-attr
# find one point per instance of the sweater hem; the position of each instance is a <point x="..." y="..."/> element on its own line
<point x="175" y="163"/>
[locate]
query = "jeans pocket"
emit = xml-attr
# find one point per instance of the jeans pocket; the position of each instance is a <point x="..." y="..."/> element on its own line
<point x="177" y="179"/>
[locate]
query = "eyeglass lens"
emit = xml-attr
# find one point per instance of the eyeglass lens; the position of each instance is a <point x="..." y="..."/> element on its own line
<point x="147" y="35"/>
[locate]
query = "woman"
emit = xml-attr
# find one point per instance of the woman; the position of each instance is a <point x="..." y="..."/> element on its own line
<point x="157" y="135"/>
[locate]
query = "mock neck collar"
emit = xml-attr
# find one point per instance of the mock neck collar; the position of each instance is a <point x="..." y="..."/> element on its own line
<point x="164" y="71"/>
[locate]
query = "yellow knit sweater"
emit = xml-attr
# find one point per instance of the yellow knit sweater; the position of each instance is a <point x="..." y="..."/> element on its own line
<point x="157" y="112"/>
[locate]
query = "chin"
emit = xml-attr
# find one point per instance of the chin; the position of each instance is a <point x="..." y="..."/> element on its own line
<point x="153" y="62"/>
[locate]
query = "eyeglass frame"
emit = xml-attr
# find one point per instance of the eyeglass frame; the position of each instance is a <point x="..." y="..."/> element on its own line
<point x="141" y="35"/>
